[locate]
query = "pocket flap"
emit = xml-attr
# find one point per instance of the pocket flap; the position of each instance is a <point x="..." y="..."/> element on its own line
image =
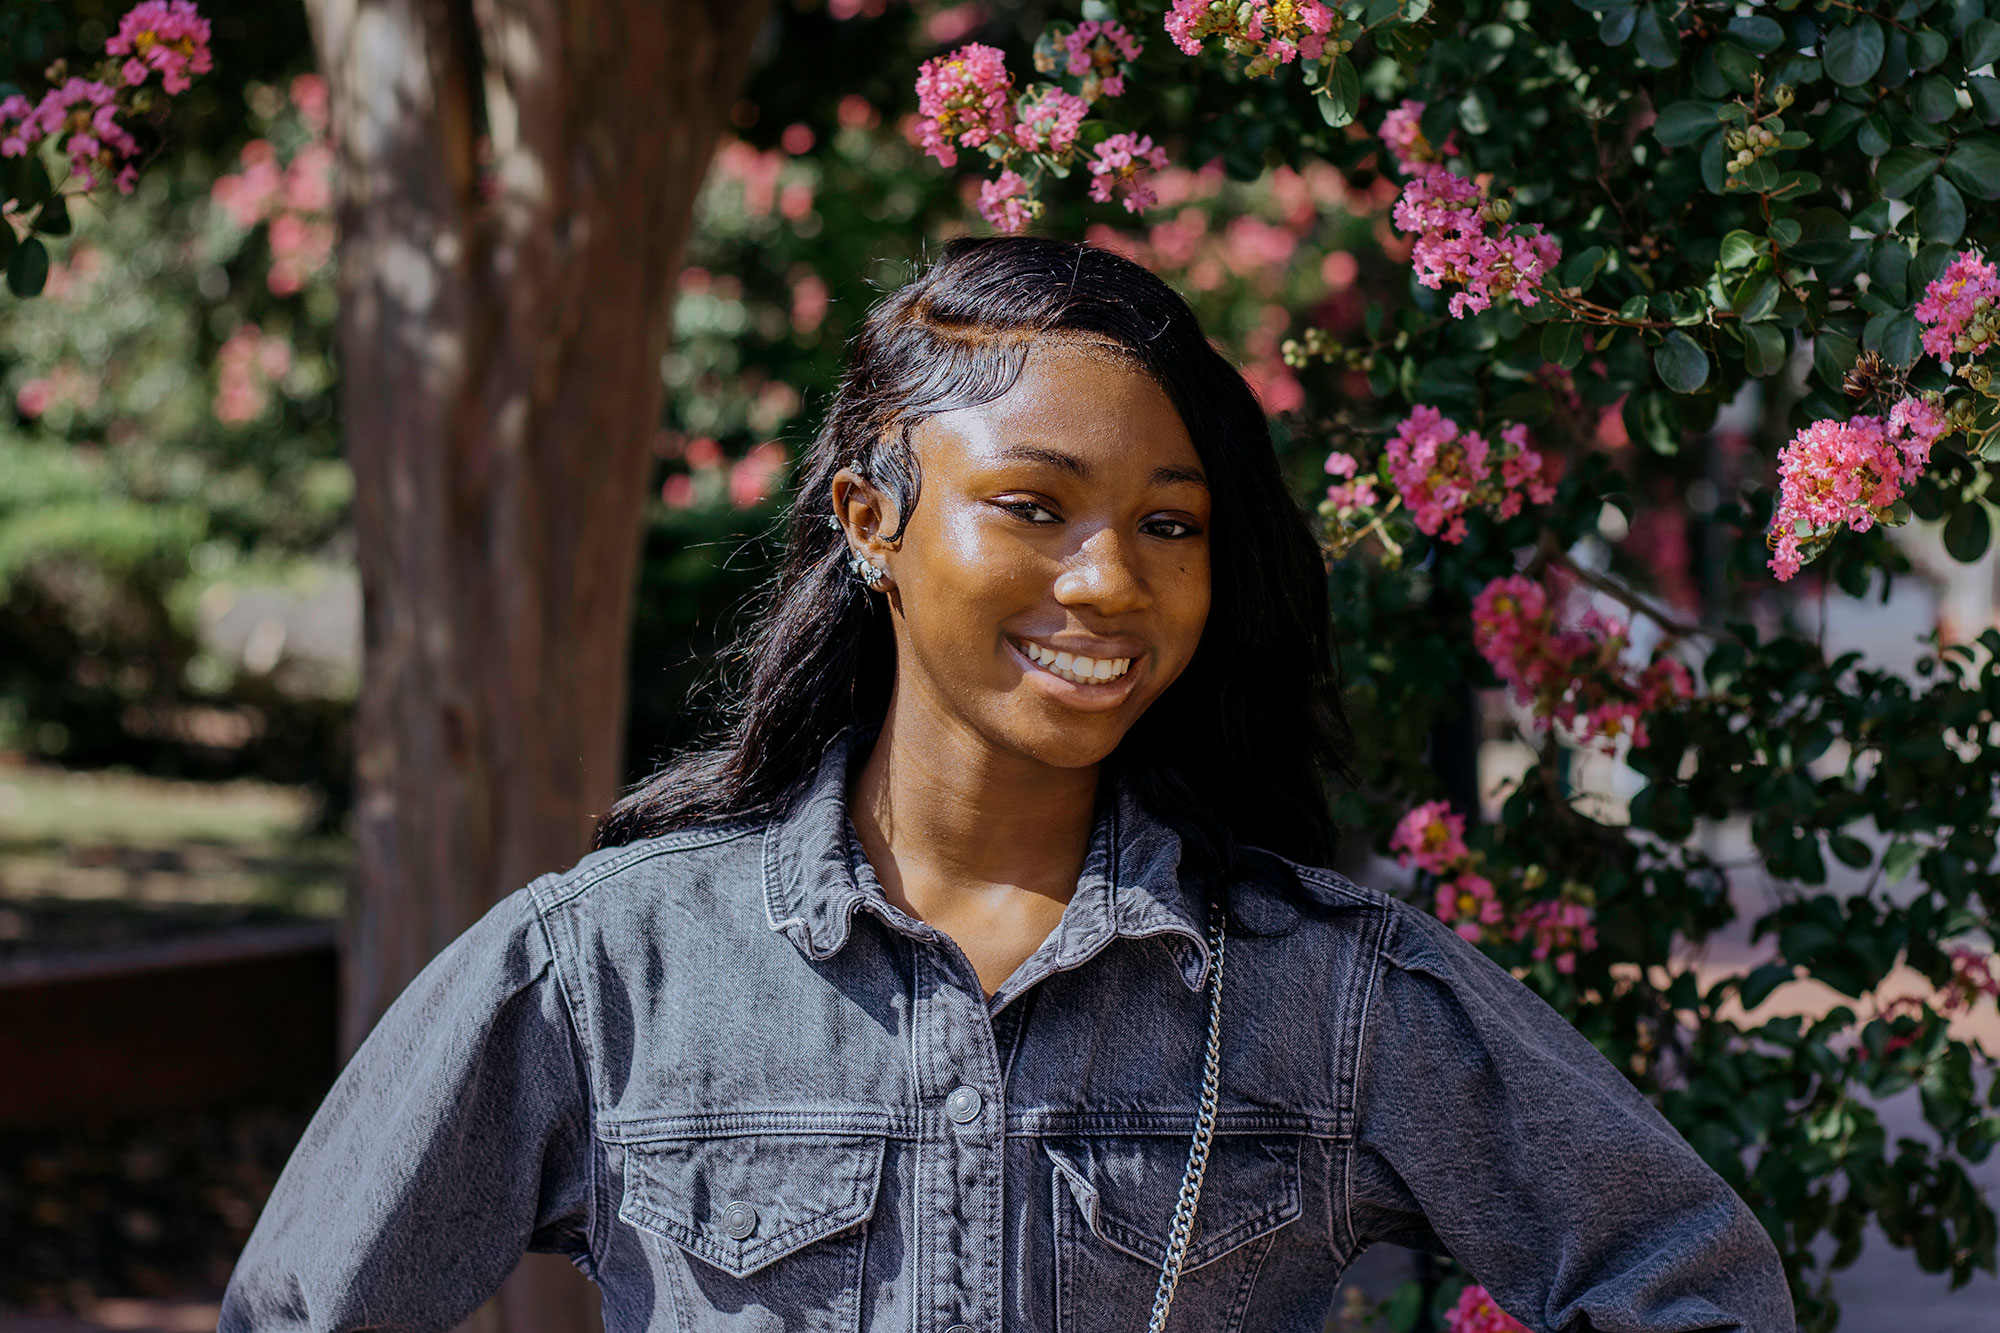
<point x="1127" y="1187"/>
<point x="743" y="1201"/>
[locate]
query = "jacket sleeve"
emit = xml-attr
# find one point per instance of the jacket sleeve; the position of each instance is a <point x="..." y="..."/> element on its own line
<point x="1490" y="1129"/>
<point x="456" y="1139"/>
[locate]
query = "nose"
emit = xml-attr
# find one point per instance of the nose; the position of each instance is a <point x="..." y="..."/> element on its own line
<point x="1103" y="574"/>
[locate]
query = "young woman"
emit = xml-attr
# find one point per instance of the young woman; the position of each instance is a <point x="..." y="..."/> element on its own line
<point x="982" y="976"/>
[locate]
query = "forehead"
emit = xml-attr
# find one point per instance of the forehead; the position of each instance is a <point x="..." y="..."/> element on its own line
<point x="1076" y="397"/>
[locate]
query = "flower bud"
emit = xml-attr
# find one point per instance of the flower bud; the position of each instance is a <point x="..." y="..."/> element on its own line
<point x="1978" y="376"/>
<point x="1782" y="96"/>
<point x="1734" y="141"/>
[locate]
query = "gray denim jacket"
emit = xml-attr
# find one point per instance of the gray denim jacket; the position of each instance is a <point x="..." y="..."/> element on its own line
<point x="741" y="1091"/>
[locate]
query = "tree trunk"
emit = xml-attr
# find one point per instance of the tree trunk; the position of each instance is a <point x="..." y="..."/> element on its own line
<point x="517" y="181"/>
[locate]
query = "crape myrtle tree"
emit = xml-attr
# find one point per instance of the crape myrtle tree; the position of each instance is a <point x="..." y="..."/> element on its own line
<point x="1609" y="221"/>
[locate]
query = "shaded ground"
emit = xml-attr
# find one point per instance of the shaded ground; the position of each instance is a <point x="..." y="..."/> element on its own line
<point x="134" y="1223"/>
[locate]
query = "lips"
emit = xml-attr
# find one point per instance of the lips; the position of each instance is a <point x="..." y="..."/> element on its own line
<point x="1106" y="666"/>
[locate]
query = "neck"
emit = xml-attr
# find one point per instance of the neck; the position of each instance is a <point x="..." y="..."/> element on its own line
<point x="948" y="820"/>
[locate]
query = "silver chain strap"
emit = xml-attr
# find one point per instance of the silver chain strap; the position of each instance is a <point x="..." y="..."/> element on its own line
<point x="1204" y="1131"/>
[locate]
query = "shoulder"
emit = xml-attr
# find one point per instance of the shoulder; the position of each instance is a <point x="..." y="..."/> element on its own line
<point x="656" y="864"/>
<point x="1320" y="904"/>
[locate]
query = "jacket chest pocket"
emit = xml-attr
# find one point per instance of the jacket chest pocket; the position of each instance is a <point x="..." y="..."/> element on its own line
<point x="757" y="1231"/>
<point x="1114" y="1211"/>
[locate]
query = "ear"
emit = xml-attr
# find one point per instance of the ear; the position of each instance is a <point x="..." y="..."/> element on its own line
<point x="865" y="512"/>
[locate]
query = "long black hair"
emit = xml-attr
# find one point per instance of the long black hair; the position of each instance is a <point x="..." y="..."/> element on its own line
<point x="1239" y="749"/>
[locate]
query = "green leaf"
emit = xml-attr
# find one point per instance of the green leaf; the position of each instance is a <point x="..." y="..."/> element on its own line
<point x="1928" y="48"/>
<point x="1873" y="136"/>
<point x="1940" y="214"/>
<point x="1900" y="340"/>
<point x="1682" y="123"/>
<point x="1738" y="68"/>
<point x="1902" y="170"/>
<point x="1850" y="851"/>
<point x="1974" y="166"/>
<point x="28" y="270"/>
<point x="1833" y="356"/>
<point x="1714" y="173"/>
<point x="1889" y="271"/>
<point x="1581" y="268"/>
<point x="1763" y="349"/>
<point x="26" y="179"/>
<point x="1342" y="96"/>
<point x="1985" y="90"/>
<point x="1937" y="99"/>
<point x="1758" y="33"/>
<point x="1682" y="365"/>
<point x="1740" y="247"/>
<point x="1982" y="43"/>
<point x="53" y="220"/>
<point x="1968" y="532"/>
<point x="1562" y="343"/>
<point x="1852" y="54"/>
<point x="1929" y="262"/>
<point x="1656" y="39"/>
<point x="1757" y="987"/>
<point x="1616" y="28"/>
<point x="1822" y="236"/>
<point x="1785" y="232"/>
<point x="1760" y="177"/>
<point x="1757" y="298"/>
<point x="1633" y="307"/>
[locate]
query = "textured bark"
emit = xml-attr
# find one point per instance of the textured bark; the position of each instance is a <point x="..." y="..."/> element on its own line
<point x="500" y="340"/>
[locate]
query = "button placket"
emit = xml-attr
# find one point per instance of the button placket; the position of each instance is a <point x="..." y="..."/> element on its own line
<point x="959" y="1181"/>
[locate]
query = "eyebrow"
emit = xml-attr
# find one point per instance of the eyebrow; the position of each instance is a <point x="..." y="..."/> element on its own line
<point x="1037" y="453"/>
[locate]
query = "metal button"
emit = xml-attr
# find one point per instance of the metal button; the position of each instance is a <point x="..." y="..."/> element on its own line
<point x="962" y="1105"/>
<point x="739" y="1219"/>
<point x="959" y="1328"/>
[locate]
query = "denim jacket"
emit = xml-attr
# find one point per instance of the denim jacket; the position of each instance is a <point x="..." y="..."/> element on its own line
<point x="742" y="1091"/>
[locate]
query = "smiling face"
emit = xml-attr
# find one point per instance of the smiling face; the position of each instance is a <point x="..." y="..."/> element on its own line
<point x="1053" y="580"/>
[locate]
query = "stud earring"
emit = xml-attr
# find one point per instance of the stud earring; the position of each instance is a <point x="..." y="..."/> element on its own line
<point x="867" y="571"/>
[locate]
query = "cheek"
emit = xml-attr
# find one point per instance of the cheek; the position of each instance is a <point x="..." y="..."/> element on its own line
<point x="966" y="577"/>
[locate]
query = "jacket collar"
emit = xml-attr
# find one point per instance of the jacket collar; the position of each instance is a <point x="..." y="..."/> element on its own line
<point x="1130" y="885"/>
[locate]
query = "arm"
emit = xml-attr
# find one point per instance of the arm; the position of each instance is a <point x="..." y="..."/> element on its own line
<point x="1488" y="1127"/>
<point x="456" y="1139"/>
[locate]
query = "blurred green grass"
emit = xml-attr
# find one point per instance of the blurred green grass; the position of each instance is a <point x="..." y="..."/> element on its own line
<point x="93" y="860"/>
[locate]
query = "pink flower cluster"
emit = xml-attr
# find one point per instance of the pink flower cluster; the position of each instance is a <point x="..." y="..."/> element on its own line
<point x="83" y="113"/>
<point x="293" y="199"/>
<point x="1476" y="1313"/>
<point x="1441" y="473"/>
<point x="1272" y="32"/>
<point x="1123" y="164"/>
<point x="1402" y="133"/>
<point x="1432" y="838"/>
<point x="1557" y="928"/>
<point x="247" y="364"/>
<point x="1463" y="237"/>
<point x="1049" y="120"/>
<point x="964" y="99"/>
<point x="1005" y="202"/>
<point x="1574" y="677"/>
<point x="170" y="36"/>
<point x="1850" y="473"/>
<point x="1960" y="310"/>
<point x="1351" y="492"/>
<point x="1098" y="51"/>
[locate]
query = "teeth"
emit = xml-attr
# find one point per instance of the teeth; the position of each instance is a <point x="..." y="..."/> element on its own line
<point x="1081" y="670"/>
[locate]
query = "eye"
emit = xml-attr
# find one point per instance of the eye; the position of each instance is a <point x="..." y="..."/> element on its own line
<point x="1181" y="528"/>
<point x="1027" y="509"/>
